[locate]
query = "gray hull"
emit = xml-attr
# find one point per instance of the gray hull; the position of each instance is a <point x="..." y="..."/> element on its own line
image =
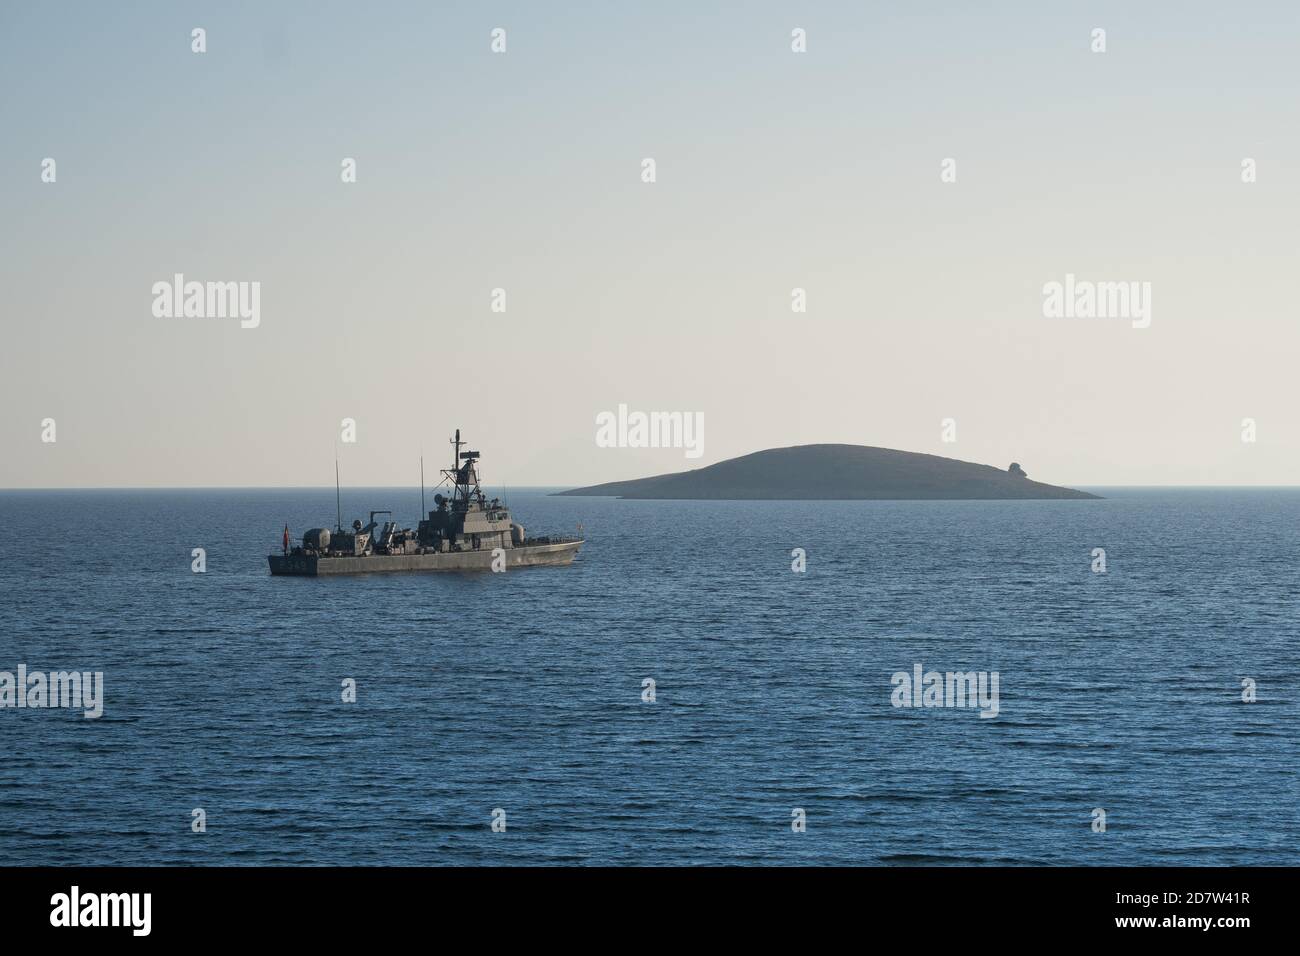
<point x="526" y="556"/>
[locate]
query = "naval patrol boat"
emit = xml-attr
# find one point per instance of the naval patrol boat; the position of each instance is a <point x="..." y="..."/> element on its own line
<point x="465" y="532"/>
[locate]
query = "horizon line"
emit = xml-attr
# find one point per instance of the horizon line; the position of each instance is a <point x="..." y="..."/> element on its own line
<point x="542" y="486"/>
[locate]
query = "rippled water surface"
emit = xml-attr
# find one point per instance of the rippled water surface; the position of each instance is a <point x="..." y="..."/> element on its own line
<point x="523" y="691"/>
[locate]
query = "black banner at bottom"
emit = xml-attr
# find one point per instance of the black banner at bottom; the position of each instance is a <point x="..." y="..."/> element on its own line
<point x="333" y="905"/>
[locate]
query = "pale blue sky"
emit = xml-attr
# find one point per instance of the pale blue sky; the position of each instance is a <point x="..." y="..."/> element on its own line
<point x="521" y="171"/>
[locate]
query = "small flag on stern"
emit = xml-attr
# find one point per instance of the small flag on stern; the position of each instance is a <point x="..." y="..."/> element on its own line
<point x="286" y="539"/>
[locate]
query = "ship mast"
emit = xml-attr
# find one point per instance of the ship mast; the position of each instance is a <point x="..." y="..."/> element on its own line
<point x="462" y="490"/>
<point x="338" y="500"/>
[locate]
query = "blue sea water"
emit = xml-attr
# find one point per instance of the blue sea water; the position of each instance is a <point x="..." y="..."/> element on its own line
<point x="523" y="691"/>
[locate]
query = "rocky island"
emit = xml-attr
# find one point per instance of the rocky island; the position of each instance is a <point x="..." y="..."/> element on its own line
<point x="837" y="472"/>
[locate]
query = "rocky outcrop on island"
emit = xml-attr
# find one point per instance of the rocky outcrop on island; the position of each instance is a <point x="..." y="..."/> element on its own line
<point x="837" y="472"/>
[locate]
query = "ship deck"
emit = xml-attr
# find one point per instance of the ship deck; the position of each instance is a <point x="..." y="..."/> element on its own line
<point x="552" y="553"/>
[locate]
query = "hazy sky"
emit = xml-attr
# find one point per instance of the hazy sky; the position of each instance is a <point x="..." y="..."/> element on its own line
<point x="523" y="170"/>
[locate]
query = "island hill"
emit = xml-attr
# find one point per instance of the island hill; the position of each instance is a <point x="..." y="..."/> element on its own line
<point x="837" y="472"/>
